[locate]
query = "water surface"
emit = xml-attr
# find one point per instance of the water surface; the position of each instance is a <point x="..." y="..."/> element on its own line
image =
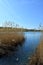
<point x="23" y="52"/>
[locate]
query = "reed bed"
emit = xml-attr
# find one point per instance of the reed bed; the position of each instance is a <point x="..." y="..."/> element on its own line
<point x="37" y="58"/>
<point x="8" y="41"/>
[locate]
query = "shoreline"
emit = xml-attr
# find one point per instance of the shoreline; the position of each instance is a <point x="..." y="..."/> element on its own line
<point x="37" y="58"/>
<point x="8" y="42"/>
<point x="10" y="29"/>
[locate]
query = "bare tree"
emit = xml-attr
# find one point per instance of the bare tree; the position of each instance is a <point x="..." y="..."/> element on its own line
<point x="8" y="24"/>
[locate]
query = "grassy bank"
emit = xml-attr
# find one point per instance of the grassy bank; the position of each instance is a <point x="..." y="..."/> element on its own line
<point x="9" y="29"/>
<point x="37" y="58"/>
<point x="8" y="40"/>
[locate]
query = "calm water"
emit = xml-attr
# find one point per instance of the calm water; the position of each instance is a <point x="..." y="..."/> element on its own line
<point x="23" y="52"/>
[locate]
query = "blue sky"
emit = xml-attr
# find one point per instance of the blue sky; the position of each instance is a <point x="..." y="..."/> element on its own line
<point x="26" y="13"/>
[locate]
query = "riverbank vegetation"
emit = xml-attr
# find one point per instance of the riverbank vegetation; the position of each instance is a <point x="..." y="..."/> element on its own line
<point x="10" y="38"/>
<point x="9" y="29"/>
<point x="37" y="58"/>
<point x="9" y="41"/>
<point x="9" y="26"/>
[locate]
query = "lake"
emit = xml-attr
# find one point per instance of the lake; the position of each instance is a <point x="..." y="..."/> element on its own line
<point x="23" y="52"/>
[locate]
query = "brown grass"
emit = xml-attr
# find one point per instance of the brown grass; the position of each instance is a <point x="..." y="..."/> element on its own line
<point x="10" y="38"/>
<point x="8" y="41"/>
<point x="8" y="29"/>
<point x="37" y="58"/>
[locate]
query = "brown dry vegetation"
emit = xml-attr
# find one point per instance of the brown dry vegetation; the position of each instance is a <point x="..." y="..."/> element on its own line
<point x="9" y="29"/>
<point x="37" y="58"/>
<point x="8" y="40"/>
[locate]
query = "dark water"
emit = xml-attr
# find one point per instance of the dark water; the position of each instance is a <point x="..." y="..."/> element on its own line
<point x="24" y="52"/>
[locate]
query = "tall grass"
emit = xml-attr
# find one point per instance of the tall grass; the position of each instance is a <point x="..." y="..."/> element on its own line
<point x="10" y="38"/>
<point x="37" y="58"/>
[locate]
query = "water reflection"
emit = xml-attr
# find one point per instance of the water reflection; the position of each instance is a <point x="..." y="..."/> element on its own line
<point x="22" y="52"/>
